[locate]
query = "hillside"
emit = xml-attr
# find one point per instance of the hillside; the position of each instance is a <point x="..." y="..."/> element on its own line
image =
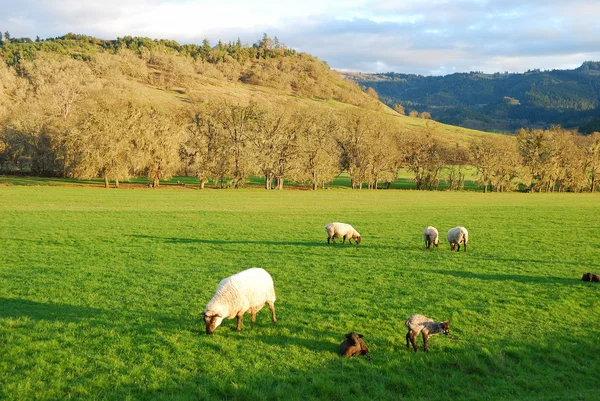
<point x="497" y="102"/>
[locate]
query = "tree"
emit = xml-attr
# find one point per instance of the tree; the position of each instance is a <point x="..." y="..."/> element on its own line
<point x="484" y="157"/>
<point x="103" y="141"/>
<point x="158" y="140"/>
<point x="205" y="148"/>
<point x="423" y="157"/>
<point x="593" y="160"/>
<point x="413" y="113"/>
<point x="425" y="115"/>
<point x="398" y="108"/>
<point x="353" y="142"/>
<point x="373" y="93"/>
<point x="237" y="122"/>
<point x="275" y="141"/>
<point x="61" y="81"/>
<point x="318" y="153"/>
<point x="382" y="160"/>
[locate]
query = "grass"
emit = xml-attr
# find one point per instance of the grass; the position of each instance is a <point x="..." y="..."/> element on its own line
<point x="100" y="292"/>
<point x="404" y="181"/>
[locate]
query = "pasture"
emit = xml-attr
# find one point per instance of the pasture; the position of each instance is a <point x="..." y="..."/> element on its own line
<point x="101" y="290"/>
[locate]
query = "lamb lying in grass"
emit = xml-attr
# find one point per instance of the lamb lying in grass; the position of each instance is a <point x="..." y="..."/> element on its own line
<point x="354" y="345"/>
<point x="421" y="324"/>
<point x="591" y="277"/>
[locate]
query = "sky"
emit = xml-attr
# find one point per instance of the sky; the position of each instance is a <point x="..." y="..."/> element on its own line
<point x="428" y="37"/>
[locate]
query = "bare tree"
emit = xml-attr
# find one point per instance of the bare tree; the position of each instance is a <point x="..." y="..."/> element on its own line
<point x="318" y="153"/>
<point x="237" y="121"/>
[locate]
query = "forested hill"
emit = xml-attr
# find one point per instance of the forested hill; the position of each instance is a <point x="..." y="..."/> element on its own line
<point x="497" y="102"/>
<point x="169" y="65"/>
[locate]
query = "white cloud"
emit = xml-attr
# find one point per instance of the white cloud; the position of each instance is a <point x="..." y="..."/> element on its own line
<point x="418" y="36"/>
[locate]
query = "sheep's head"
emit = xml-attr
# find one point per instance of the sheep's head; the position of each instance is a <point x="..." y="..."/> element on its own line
<point x="445" y="326"/>
<point x="353" y="337"/>
<point x="212" y="320"/>
<point x="436" y="241"/>
<point x="587" y="277"/>
<point x="357" y="239"/>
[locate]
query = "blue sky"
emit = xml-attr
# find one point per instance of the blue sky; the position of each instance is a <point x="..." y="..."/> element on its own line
<point x="434" y="37"/>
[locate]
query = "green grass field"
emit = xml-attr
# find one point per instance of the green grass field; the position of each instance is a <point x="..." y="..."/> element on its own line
<point x="100" y="292"/>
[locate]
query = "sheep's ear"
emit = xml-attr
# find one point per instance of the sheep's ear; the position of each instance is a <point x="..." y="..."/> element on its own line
<point x="348" y="335"/>
<point x="360" y="335"/>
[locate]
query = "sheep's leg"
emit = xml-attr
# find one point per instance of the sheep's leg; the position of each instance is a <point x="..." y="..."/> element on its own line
<point x="344" y="241"/>
<point x="465" y="245"/>
<point x="272" y="307"/>
<point x="407" y="339"/>
<point x="425" y="342"/>
<point x="328" y="239"/>
<point x="253" y="319"/>
<point x="239" y="323"/>
<point x="350" y="240"/>
<point x="412" y="336"/>
<point x="457" y="247"/>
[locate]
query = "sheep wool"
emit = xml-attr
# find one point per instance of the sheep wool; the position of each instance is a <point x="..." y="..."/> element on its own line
<point x="342" y="230"/>
<point x="431" y="236"/>
<point x="456" y="236"/>
<point x="244" y="292"/>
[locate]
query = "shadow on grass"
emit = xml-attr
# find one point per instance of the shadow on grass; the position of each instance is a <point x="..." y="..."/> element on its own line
<point x="142" y="322"/>
<point x="506" y="277"/>
<point x="175" y="240"/>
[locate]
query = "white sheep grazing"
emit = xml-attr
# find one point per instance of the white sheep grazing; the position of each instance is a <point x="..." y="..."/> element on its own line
<point x="430" y="235"/>
<point x="341" y="230"/>
<point x="456" y="236"/>
<point x="244" y="292"/>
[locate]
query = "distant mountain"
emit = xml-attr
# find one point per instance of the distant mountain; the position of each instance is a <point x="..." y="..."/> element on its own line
<point x="497" y="102"/>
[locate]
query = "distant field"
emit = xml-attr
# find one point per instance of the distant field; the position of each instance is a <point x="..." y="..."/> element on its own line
<point x="100" y="292"/>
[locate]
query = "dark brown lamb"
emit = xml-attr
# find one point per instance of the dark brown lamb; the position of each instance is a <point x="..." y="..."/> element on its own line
<point x="354" y="345"/>
<point x="591" y="277"/>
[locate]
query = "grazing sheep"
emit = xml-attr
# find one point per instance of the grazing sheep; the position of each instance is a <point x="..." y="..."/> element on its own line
<point x="421" y="324"/>
<point x="591" y="277"/>
<point x="342" y="230"/>
<point x="244" y="292"/>
<point x="456" y="236"/>
<point x="354" y="345"/>
<point x="430" y="235"/>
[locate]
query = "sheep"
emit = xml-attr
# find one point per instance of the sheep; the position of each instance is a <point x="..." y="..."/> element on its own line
<point x="430" y="235"/>
<point x="421" y="324"/>
<point x="342" y="230"/>
<point x="456" y="236"/>
<point x="354" y="345"/>
<point x="244" y="292"/>
<point x="591" y="277"/>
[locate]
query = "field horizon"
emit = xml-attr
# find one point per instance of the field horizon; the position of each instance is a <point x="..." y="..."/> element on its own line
<point x="100" y="295"/>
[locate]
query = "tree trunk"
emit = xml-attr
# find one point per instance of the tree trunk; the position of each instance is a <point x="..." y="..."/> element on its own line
<point x="155" y="182"/>
<point x="106" y="183"/>
<point x="202" y="184"/>
<point x="117" y="183"/>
